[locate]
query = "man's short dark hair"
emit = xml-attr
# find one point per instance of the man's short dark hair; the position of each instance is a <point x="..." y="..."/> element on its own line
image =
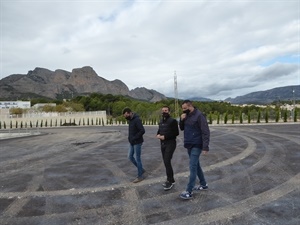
<point x="188" y="102"/>
<point x="126" y="110"/>
<point x="165" y="106"/>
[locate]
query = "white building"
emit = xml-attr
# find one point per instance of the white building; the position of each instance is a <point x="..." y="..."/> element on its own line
<point x="41" y="105"/>
<point x="15" y="104"/>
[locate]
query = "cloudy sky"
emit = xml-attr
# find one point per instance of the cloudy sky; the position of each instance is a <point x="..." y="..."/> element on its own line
<point x="218" y="49"/>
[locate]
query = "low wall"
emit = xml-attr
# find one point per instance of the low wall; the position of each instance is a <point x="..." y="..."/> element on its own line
<point x="52" y="119"/>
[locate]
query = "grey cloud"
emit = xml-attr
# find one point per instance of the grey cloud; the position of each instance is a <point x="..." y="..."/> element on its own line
<point x="274" y="71"/>
<point x="216" y="47"/>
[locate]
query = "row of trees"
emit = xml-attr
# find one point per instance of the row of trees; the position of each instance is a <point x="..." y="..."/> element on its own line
<point x="216" y="112"/>
<point x="255" y="116"/>
<point x="225" y="118"/>
<point x="220" y="112"/>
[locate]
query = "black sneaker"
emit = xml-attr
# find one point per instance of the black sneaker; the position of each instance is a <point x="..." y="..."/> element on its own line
<point x="168" y="185"/>
<point x="165" y="184"/>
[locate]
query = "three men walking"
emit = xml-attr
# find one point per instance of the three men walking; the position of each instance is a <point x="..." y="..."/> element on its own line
<point x="196" y="140"/>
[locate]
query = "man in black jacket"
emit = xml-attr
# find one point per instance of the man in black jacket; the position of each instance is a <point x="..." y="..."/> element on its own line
<point x="167" y="133"/>
<point x="136" y="131"/>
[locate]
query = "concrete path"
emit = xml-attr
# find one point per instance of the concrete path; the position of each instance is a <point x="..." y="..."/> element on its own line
<point x="81" y="175"/>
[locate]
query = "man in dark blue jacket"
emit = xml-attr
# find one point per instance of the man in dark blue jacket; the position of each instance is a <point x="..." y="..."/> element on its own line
<point x="136" y="131"/>
<point x="196" y="140"/>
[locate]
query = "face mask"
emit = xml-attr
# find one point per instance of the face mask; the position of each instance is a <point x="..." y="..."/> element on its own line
<point x="165" y="114"/>
<point x="186" y="111"/>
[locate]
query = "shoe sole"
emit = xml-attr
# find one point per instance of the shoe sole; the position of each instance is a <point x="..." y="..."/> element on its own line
<point x="169" y="188"/>
<point x="185" y="198"/>
<point x="165" y="185"/>
<point x="137" y="181"/>
<point x="203" y="189"/>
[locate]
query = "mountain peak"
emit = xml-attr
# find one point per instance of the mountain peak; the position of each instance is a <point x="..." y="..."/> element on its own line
<point x="268" y="96"/>
<point x="60" y="84"/>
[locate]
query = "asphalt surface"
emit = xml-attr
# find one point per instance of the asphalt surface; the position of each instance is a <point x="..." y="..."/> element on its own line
<point x="81" y="175"/>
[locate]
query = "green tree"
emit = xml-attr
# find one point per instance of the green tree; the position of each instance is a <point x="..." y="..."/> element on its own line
<point x="241" y="117"/>
<point x="277" y="116"/>
<point x="60" y="108"/>
<point x="225" y="117"/>
<point x="295" y="115"/>
<point x="249" y="117"/>
<point x="210" y="118"/>
<point x="117" y="108"/>
<point x="16" y="111"/>
<point x="258" y="116"/>
<point x="267" y="116"/>
<point x="48" y="108"/>
<point x="76" y="107"/>
<point x="285" y="115"/>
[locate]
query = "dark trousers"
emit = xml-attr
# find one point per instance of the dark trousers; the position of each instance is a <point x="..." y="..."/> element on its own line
<point x="167" y="149"/>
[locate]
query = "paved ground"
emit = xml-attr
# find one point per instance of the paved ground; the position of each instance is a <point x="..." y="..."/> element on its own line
<point x="82" y="176"/>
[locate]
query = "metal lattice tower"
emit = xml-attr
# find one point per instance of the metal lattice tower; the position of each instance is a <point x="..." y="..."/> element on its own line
<point x="176" y="96"/>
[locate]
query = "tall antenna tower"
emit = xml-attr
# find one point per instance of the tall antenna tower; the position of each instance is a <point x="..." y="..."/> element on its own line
<point x="176" y="96"/>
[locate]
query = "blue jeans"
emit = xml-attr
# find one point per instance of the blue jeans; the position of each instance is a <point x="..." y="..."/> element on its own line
<point x="137" y="150"/>
<point x="195" y="168"/>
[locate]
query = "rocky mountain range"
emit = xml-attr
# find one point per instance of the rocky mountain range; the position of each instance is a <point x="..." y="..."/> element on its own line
<point x="287" y="93"/>
<point x="61" y="84"/>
